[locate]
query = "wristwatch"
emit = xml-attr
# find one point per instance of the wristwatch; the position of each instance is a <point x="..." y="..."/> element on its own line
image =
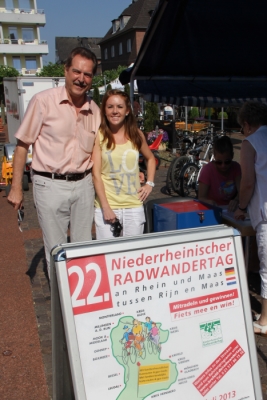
<point x="242" y="209"/>
<point x="152" y="184"/>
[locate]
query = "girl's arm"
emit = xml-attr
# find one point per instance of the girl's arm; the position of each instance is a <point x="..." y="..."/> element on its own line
<point x="109" y="215"/>
<point x="145" y="190"/>
<point x="234" y="203"/>
<point x="203" y="191"/>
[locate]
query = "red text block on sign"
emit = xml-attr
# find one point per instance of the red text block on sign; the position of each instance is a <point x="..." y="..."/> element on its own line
<point x="89" y="284"/>
<point x="216" y="371"/>
<point x="203" y="300"/>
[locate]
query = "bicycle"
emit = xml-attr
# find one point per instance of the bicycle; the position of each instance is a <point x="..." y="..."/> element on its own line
<point x="151" y="346"/>
<point x="174" y="172"/>
<point x="191" y="171"/>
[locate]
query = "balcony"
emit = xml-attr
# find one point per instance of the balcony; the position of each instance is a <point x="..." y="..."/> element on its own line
<point x="22" y="16"/>
<point x="29" y="72"/>
<point x="19" y="46"/>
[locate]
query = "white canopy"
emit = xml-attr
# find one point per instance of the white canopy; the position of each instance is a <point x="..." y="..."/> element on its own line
<point x="116" y="84"/>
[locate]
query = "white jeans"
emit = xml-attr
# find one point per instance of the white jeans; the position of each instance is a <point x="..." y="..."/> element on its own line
<point x="132" y="220"/>
<point x="60" y="203"/>
<point x="261" y="237"/>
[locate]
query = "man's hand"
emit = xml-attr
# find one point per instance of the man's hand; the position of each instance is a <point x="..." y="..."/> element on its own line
<point x="15" y="197"/>
<point x="239" y="214"/>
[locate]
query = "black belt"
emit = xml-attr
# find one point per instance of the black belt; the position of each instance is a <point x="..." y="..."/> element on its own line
<point x="67" y="177"/>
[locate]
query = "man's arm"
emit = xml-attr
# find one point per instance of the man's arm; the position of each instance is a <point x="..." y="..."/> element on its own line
<point x="15" y="196"/>
<point x="247" y="184"/>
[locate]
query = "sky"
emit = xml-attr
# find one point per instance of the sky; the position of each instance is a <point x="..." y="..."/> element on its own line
<point x="72" y="18"/>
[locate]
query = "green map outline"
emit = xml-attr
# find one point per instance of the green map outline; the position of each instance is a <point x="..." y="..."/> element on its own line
<point x="164" y="336"/>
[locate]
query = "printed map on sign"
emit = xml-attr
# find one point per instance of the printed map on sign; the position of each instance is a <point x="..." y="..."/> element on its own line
<point x="136" y="345"/>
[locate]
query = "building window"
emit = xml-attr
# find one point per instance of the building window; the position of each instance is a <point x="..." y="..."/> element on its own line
<point x="129" y="46"/>
<point x="106" y="54"/>
<point x="123" y="21"/>
<point x="120" y="49"/>
<point x="27" y="35"/>
<point x="13" y="35"/>
<point x="9" y="4"/>
<point x="115" y="25"/>
<point x="112" y="51"/>
<point x="25" y="4"/>
<point x="16" y="63"/>
<point x="30" y="63"/>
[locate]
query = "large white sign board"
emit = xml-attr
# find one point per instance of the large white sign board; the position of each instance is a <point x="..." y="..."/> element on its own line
<point x="162" y="315"/>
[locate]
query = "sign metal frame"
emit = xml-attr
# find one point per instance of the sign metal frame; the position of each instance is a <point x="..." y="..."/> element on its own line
<point x="68" y="381"/>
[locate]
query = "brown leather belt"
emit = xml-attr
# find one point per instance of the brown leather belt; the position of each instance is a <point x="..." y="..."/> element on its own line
<point x="66" y="177"/>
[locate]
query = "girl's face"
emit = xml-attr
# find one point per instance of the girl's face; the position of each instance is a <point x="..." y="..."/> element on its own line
<point x="116" y="110"/>
<point x="222" y="161"/>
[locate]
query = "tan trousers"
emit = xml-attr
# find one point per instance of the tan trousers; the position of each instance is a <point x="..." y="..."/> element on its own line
<point x="60" y="204"/>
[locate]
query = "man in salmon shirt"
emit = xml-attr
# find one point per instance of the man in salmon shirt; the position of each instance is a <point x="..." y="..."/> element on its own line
<point x="61" y="124"/>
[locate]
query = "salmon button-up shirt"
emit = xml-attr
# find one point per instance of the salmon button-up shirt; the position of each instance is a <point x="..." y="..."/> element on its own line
<point x="62" y="140"/>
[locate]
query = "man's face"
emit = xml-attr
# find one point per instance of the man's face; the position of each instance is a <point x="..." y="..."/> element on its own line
<point x="79" y="77"/>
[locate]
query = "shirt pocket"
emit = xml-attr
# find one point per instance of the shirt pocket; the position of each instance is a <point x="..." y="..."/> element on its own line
<point x="87" y="140"/>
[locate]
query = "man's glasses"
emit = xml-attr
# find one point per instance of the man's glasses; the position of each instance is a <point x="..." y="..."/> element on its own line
<point x="20" y="218"/>
<point x="219" y="162"/>
<point x="116" y="228"/>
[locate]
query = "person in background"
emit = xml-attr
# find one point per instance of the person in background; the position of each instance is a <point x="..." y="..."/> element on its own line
<point x="136" y="108"/>
<point x="253" y="189"/>
<point x="61" y="124"/>
<point x="119" y="197"/>
<point x="219" y="180"/>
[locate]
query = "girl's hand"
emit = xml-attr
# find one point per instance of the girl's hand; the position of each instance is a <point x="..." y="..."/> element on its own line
<point x="233" y="205"/>
<point x="144" y="192"/>
<point x="109" y="214"/>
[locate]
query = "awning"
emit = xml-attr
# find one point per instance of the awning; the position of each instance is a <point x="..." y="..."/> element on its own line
<point x="203" y="53"/>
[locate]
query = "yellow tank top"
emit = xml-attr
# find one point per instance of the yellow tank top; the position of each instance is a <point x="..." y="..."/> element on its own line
<point x="120" y="175"/>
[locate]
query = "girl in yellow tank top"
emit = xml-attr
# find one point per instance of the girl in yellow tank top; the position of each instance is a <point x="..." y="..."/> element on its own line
<point x="116" y="169"/>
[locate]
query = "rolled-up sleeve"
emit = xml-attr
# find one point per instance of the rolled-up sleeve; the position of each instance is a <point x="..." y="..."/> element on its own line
<point x="32" y="122"/>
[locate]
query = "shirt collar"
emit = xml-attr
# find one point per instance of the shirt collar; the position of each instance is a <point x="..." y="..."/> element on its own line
<point x="63" y="96"/>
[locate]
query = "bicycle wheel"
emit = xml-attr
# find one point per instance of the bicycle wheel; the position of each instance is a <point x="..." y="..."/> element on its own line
<point x="169" y="189"/>
<point x="176" y="173"/>
<point x="188" y="184"/>
<point x="155" y="348"/>
<point x="149" y="346"/>
<point x="125" y="356"/>
<point x="143" y="355"/>
<point x="157" y="158"/>
<point x="133" y="354"/>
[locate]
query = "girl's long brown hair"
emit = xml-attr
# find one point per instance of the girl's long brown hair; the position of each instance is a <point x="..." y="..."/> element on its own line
<point x="130" y="125"/>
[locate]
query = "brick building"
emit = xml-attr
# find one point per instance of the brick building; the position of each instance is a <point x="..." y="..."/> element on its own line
<point x="122" y="42"/>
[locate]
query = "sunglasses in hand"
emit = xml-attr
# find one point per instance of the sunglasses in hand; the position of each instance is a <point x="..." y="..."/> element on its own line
<point x="20" y="218"/>
<point x="116" y="228"/>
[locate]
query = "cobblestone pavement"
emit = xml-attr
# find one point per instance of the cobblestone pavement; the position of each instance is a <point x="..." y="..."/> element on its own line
<point x="33" y="245"/>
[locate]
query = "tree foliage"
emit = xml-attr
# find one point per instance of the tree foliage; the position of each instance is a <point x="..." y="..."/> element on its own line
<point x="109" y="87"/>
<point x="127" y="89"/>
<point x="52" y="70"/>
<point x="5" y="72"/>
<point x="193" y="113"/>
<point x="96" y="96"/>
<point x="110" y="76"/>
<point x="151" y="114"/>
